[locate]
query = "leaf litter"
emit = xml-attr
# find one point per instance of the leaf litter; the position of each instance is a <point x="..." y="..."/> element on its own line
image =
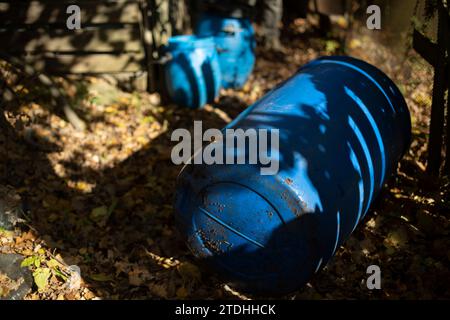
<point x="97" y="205"/>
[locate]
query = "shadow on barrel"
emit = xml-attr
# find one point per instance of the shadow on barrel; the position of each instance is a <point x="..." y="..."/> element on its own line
<point x="334" y="149"/>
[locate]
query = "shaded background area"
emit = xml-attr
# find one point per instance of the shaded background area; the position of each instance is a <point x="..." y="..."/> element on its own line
<point x="117" y="37"/>
<point x="102" y="199"/>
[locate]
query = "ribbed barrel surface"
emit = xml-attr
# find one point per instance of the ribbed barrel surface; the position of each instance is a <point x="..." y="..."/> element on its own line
<point x="343" y="127"/>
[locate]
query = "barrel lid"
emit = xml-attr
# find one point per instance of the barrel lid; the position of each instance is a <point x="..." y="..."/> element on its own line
<point x="242" y="236"/>
<point x="232" y="216"/>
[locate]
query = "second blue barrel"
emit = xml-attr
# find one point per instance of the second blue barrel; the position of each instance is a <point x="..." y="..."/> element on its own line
<point x="235" y="41"/>
<point x="343" y="127"/>
<point x="192" y="75"/>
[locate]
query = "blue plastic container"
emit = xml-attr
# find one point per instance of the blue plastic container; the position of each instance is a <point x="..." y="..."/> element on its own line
<point x="192" y="75"/>
<point x="344" y="126"/>
<point x="235" y="42"/>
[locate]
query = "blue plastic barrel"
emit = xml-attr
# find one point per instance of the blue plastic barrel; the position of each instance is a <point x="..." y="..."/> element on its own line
<point x="192" y="75"/>
<point x="235" y="42"/>
<point x="343" y="127"/>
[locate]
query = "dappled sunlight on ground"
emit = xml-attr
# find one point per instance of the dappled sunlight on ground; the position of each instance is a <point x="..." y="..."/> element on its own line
<point x="102" y="199"/>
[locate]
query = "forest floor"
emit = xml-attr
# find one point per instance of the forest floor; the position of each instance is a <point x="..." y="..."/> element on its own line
<point x="102" y="199"/>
